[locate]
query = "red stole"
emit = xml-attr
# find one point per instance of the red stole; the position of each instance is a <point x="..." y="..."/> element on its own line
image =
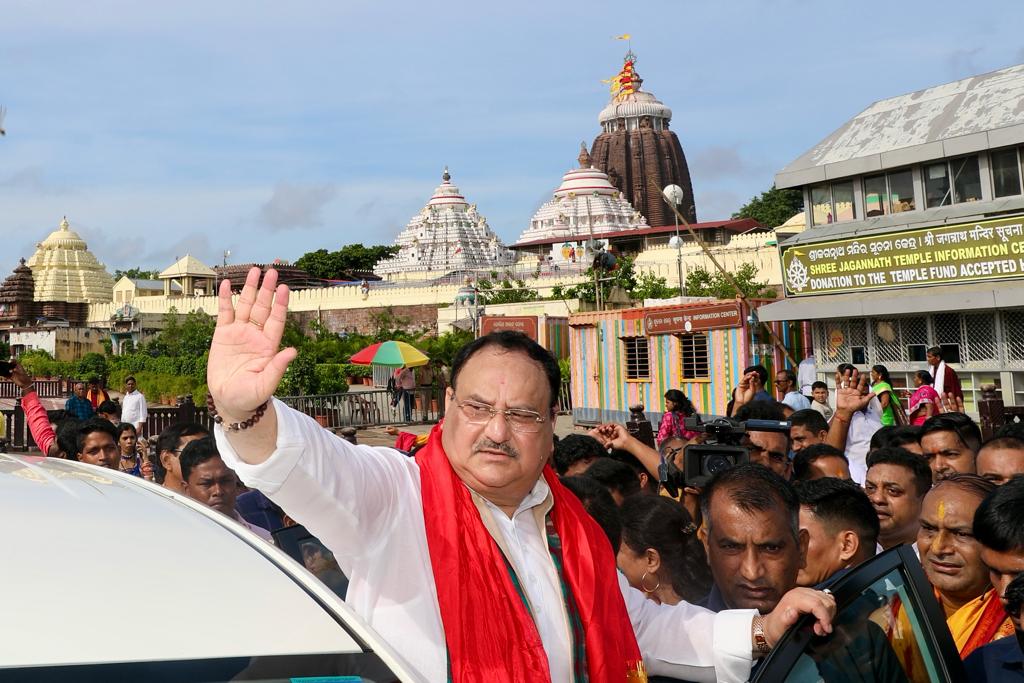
<point x="489" y="633"/>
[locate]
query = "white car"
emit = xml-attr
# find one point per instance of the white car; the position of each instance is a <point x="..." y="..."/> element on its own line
<point x="106" y="577"/>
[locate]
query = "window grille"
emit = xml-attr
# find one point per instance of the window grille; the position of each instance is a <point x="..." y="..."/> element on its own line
<point x="887" y="340"/>
<point x="1013" y="337"/>
<point x="977" y="340"/>
<point x="834" y="337"/>
<point x="694" y="350"/>
<point x="949" y="335"/>
<point x="980" y="332"/>
<point x="858" y="334"/>
<point x="637" y="358"/>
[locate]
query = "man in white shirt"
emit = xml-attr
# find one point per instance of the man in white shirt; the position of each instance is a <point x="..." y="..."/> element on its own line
<point x="133" y="406"/>
<point x="373" y="509"/>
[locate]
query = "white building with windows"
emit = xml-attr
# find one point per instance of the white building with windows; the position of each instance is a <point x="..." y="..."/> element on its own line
<point x="915" y="238"/>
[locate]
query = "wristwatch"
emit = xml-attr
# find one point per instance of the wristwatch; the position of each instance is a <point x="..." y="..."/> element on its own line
<point x="761" y="645"/>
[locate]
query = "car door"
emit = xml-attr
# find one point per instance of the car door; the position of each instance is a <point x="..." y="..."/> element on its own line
<point x="888" y="628"/>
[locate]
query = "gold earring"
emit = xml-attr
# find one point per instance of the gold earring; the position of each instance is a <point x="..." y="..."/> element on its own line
<point x="645" y="588"/>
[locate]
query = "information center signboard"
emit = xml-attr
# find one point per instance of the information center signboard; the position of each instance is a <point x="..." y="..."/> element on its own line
<point x="527" y="324"/>
<point x="968" y="252"/>
<point x="693" y="319"/>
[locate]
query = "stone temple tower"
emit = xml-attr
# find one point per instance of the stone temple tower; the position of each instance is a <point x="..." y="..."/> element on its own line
<point x="638" y="151"/>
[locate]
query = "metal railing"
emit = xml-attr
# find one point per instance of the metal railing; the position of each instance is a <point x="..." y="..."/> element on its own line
<point x="46" y="387"/>
<point x="333" y="411"/>
<point x="564" y="398"/>
<point x="369" y="408"/>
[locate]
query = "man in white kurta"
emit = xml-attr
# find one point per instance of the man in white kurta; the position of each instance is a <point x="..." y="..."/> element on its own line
<point x="365" y="503"/>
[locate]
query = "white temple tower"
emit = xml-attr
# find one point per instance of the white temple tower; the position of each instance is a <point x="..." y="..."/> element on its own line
<point x="446" y="235"/>
<point x="585" y="204"/>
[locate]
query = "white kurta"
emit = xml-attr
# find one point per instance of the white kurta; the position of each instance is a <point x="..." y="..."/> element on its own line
<point x="133" y="408"/>
<point x="364" y="503"/>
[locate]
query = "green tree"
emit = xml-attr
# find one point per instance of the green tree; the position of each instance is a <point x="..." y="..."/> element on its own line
<point x="92" y="365"/>
<point x="772" y="208"/>
<point x="184" y="337"/>
<point x="623" y="277"/>
<point x="136" y="274"/>
<point x="321" y="264"/>
<point x="699" y="282"/>
<point x="651" y="286"/>
<point x="337" y="265"/>
<point x="506" y="291"/>
<point x="300" y="377"/>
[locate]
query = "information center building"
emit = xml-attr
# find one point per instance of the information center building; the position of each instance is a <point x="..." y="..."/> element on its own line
<point x="916" y="237"/>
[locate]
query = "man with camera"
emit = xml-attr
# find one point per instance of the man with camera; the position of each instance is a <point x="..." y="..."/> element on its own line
<point x="765" y="435"/>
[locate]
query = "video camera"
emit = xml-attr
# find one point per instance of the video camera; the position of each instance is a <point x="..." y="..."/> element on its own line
<point x="721" y="449"/>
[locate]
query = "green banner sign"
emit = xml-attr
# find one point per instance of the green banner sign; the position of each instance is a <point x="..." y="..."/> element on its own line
<point x="969" y="252"/>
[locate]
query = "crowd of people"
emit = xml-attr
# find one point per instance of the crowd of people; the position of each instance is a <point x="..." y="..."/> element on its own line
<point x="182" y="458"/>
<point x="490" y="549"/>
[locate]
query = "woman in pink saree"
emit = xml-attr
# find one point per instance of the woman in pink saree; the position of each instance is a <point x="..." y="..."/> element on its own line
<point x="924" y="402"/>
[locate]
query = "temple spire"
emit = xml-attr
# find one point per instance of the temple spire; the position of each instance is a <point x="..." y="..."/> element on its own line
<point x="584" y="157"/>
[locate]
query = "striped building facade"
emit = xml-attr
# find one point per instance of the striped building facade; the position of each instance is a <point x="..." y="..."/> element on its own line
<point x="628" y="357"/>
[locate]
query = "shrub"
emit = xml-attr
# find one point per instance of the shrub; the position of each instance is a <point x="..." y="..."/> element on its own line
<point x="330" y="378"/>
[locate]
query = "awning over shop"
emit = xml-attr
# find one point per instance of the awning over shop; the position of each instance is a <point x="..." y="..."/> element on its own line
<point x="973" y="297"/>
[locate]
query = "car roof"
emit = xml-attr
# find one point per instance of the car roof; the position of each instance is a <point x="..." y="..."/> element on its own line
<point x="100" y="566"/>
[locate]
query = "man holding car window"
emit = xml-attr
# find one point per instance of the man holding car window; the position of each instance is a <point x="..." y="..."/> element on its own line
<point x="473" y="546"/>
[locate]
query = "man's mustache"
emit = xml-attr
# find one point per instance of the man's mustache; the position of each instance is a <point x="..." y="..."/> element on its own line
<point x="486" y="444"/>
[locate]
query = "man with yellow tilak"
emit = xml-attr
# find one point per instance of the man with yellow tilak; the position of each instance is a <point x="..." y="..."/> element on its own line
<point x="952" y="562"/>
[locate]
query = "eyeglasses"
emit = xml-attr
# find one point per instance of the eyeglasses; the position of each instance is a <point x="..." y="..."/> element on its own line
<point x="520" y="420"/>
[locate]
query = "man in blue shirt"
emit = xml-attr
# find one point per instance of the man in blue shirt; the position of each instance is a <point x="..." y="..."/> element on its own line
<point x="785" y="382"/>
<point x="78" y="406"/>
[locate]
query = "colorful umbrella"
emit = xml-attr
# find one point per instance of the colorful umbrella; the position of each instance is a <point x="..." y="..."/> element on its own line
<point x="393" y="354"/>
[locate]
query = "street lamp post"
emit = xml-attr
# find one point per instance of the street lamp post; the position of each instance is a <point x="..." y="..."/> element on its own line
<point x="675" y="194"/>
<point x="469" y="297"/>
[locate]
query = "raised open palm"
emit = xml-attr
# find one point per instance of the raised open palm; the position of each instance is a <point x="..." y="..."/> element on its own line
<point x="245" y="363"/>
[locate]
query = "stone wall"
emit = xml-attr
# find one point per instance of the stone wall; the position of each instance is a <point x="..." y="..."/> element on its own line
<point x="361" y="320"/>
<point x="343" y="299"/>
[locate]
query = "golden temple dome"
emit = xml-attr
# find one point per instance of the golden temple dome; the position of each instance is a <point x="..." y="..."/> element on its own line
<point x="65" y="270"/>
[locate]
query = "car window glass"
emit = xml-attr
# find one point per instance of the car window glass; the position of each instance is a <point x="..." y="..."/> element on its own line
<point x="879" y="636"/>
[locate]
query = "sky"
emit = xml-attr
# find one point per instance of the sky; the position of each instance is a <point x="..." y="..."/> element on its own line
<point x="274" y="129"/>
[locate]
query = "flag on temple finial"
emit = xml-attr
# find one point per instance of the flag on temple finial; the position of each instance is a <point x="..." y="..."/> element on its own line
<point x="626" y="82"/>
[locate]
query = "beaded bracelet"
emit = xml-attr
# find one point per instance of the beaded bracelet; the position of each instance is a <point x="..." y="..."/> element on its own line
<point x="235" y="426"/>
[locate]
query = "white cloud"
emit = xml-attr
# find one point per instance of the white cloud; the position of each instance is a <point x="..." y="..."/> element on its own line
<point x="296" y="206"/>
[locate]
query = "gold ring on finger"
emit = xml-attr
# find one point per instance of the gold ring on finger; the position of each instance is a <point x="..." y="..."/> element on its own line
<point x="253" y="322"/>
